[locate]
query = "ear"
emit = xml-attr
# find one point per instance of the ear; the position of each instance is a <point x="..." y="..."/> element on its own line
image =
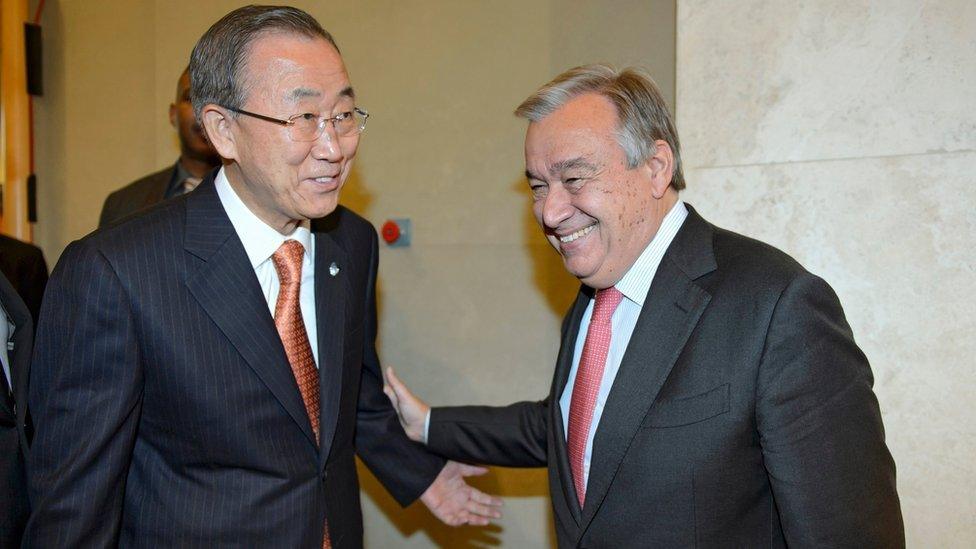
<point x="172" y="115"/>
<point x="660" y="166"/>
<point x="219" y="127"/>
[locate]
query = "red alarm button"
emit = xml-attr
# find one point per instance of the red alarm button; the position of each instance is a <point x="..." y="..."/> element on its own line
<point x="390" y="232"/>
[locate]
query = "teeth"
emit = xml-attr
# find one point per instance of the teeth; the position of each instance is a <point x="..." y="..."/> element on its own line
<point x="571" y="237"/>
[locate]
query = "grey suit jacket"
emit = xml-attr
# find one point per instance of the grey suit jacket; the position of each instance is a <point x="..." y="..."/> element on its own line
<point x="136" y="196"/>
<point x="742" y="415"/>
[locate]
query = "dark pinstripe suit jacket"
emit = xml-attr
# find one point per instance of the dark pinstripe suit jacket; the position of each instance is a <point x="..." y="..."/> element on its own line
<point x="165" y="411"/>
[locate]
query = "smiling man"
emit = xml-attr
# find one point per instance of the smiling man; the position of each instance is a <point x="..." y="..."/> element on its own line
<point x="708" y="391"/>
<point x="206" y="372"/>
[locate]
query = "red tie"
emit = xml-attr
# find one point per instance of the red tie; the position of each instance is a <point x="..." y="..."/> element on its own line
<point x="291" y="328"/>
<point x="592" y="362"/>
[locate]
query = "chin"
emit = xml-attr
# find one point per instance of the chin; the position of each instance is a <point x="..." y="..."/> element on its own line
<point x="322" y="211"/>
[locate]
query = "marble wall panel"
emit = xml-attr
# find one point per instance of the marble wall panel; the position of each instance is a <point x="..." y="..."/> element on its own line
<point x="844" y="133"/>
<point x="762" y="81"/>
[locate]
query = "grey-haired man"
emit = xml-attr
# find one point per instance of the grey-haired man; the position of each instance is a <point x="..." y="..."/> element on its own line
<point x="708" y="391"/>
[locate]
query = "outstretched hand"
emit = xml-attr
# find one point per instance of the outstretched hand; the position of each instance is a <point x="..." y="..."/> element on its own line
<point x="454" y="502"/>
<point x="411" y="410"/>
<point x="449" y="497"/>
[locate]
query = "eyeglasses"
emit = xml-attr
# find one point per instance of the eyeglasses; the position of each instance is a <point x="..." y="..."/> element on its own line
<point x="309" y="127"/>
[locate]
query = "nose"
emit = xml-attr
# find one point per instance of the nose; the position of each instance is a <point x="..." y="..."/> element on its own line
<point x="326" y="147"/>
<point x="557" y="207"/>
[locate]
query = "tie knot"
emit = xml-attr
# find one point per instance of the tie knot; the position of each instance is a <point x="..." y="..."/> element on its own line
<point x="288" y="261"/>
<point x="607" y="300"/>
<point x="191" y="183"/>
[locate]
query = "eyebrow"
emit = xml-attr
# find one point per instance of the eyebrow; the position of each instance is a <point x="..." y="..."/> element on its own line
<point x="302" y="93"/>
<point x="571" y="164"/>
<point x="564" y="165"/>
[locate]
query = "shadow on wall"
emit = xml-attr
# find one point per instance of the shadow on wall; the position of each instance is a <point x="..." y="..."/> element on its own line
<point x="549" y="276"/>
<point x="506" y="483"/>
<point x="354" y="194"/>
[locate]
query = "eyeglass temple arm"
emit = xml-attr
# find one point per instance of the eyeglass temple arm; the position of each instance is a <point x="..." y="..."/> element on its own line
<point x="261" y="116"/>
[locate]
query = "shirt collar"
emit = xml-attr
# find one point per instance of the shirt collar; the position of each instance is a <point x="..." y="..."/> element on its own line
<point x="637" y="281"/>
<point x="259" y="239"/>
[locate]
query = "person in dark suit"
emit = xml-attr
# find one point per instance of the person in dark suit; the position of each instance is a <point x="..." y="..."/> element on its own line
<point x="206" y="372"/>
<point x="197" y="157"/>
<point x="24" y="266"/>
<point x="16" y="335"/>
<point x="708" y="390"/>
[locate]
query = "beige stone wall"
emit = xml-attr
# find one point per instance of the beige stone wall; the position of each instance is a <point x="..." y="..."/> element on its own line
<point x="470" y="312"/>
<point x="843" y="132"/>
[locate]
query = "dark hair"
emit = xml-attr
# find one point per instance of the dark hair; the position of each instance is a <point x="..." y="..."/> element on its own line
<point x="220" y="56"/>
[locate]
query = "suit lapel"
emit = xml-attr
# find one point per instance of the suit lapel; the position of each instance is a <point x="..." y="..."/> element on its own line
<point x="564" y="364"/>
<point x="331" y="288"/>
<point x="229" y="292"/>
<point x="672" y="309"/>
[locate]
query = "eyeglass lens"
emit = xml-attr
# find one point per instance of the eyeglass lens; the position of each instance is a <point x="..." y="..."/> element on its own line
<point x="309" y="127"/>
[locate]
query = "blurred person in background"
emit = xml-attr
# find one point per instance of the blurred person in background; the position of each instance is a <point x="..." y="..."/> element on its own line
<point x="197" y="158"/>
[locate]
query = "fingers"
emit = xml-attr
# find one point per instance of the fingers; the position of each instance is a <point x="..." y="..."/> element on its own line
<point x="475" y="520"/>
<point x="483" y="510"/>
<point x="472" y="470"/>
<point x="393" y="381"/>
<point x="487" y="500"/>
<point x="391" y="394"/>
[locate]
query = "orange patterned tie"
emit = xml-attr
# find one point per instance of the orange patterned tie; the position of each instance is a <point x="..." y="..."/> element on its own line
<point x="291" y="328"/>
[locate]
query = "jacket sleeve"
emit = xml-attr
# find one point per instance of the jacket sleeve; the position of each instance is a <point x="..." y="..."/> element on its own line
<point x="509" y="436"/>
<point x="85" y="395"/>
<point x="404" y="467"/>
<point x="823" y="442"/>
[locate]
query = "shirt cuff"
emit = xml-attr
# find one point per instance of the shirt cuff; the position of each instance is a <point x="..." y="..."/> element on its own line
<point x="426" y="427"/>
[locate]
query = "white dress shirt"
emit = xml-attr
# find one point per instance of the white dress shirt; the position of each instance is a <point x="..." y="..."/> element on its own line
<point x="260" y="242"/>
<point x="634" y="285"/>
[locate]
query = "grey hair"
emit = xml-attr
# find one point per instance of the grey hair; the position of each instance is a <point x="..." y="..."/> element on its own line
<point x="644" y="117"/>
<point x="219" y="58"/>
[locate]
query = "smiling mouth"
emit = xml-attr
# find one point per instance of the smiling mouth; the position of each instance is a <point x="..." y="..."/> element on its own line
<point x="578" y="234"/>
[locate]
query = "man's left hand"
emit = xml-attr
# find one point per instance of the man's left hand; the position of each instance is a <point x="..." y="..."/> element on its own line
<point x="453" y="501"/>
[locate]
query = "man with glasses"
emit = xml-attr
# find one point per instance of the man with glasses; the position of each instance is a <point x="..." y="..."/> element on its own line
<point x="206" y="372"/>
<point x="197" y="157"/>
